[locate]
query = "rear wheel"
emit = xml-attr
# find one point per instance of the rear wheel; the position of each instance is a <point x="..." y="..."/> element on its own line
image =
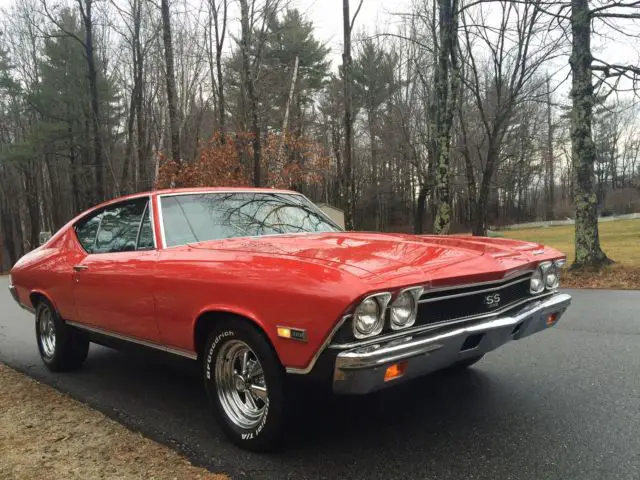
<point x="245" y="383"/>
<point x="61" y="346"/>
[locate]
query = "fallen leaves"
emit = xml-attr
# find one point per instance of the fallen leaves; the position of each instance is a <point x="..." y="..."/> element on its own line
<point x="47" y="435"/>
<point x="616" y="277"/>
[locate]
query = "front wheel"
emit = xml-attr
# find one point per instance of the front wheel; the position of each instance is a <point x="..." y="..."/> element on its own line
<point x="245" y="383"/>
<point x="61" y="346"/>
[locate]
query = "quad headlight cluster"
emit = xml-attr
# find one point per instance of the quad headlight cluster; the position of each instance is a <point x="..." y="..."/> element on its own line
<point x="370" y="315"/>
<point x="546" y="277"/>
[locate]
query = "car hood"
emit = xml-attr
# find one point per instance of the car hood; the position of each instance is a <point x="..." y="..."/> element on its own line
<point x="395" y="258"/>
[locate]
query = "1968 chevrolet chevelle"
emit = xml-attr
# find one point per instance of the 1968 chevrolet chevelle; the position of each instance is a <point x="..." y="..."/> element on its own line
<point x="260" y="286"/>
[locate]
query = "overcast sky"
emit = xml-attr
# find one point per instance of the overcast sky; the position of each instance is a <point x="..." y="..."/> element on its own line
<point x="327" y="17"/>
<point x="378" y="15"/>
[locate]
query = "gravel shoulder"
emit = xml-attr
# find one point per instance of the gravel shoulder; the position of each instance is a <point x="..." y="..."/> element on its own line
<point x="47" y="435"/>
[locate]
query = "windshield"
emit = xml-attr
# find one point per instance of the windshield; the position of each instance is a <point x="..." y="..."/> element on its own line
<point x="214" y="216"/>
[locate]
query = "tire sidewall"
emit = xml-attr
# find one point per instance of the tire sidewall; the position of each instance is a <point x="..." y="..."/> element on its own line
<point x="71" y="346"/>
<point x="42" y="305"/>
<point x="267" y="434"/>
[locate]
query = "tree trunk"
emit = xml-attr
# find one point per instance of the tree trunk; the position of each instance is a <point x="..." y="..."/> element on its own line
<point x="348" y="194"/>
<point x="95" y="104"/>
<point x="588" y="251"/>
<point x="33" y="207"/>
<point x="220" y="84"/>
<point x="135" y="105"/>
<point x="447" y="89"/>
<point x="420" y="208"/>
<point x="174" y="126"/>
<point x="372" y="121"/>
<point x="550" y="160"/>
<point x="7" y="225"/>
<point x="479" y="222"/>
<point x="247" y="75"/>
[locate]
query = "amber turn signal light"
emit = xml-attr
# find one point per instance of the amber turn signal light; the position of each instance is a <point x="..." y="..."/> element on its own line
<point x="551" y="319"/>
<point x="395" y="371"/>
<point x="292" y="333"/>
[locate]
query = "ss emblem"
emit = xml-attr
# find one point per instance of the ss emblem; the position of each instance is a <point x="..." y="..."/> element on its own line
<point x="492" y="300"/>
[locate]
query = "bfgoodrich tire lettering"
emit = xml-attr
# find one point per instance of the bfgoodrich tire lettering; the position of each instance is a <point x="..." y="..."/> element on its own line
<point x="61" y="347"/>
<point x="245" y="384"/>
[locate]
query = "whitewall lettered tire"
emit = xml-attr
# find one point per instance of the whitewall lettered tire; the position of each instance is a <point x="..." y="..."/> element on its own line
<point x="245" y="384"/>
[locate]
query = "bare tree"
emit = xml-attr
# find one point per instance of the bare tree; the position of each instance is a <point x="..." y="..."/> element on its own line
<point x="499" y="84"/>
<point x="218" y="12"/>
<point x="447" y="81"/>
<point x="249" y="85"/>
<point x="170" y="78"/>
<point x="348" y="185"/>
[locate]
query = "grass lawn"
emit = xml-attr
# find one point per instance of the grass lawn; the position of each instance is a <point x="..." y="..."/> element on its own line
<point x="619" y="239"/>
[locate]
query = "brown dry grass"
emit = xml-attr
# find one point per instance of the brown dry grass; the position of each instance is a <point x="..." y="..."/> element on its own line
<point x="47" y="435"/>
<point x="619" y="239"/>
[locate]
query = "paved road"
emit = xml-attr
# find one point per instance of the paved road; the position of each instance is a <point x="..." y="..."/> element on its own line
<point x="564" y="404"/>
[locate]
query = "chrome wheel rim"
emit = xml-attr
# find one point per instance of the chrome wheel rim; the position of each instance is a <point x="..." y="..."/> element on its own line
<point x="241" y="386"/>
<point x="47" y="332"/>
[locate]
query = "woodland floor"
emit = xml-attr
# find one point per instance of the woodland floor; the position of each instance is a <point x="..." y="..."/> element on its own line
<point x="619" y="239"/>
<point x="45" y="434"/>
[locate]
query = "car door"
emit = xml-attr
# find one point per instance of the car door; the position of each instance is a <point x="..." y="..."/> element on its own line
<point x="113" y="287"/>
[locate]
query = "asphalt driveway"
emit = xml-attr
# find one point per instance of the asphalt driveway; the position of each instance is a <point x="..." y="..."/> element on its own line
<point x="564" y="404"/>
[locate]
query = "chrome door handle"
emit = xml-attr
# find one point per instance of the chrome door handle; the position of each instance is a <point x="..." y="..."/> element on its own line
<point x="80" y="268"/>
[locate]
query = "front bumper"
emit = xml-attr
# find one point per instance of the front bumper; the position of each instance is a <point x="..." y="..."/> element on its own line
<point x="362" y="369"/>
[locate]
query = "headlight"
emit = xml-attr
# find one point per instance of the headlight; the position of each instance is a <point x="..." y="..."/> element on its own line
<point x="536" y="284"/>
<point x="368" y="318"/>
<point x="552" y="280"/>
<point x="404" y="309"/>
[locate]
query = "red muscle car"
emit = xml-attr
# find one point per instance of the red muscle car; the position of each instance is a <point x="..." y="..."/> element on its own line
<point x="260" y="286"/>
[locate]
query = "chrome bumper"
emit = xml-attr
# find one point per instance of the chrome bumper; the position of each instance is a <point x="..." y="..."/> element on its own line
<point x="14" y="293"/>
<point x="362" y="369"/>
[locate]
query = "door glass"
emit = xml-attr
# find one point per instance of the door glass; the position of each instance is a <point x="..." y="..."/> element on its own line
<point x="119" y="227"/>
<point x="87" y="230"/>
<point x="145" y="239"/>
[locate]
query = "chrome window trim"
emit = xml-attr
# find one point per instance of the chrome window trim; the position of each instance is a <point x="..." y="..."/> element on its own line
<point x="163" y="237"/>
<point x="153" y="223"/>
<point x="433" y="326"/>
<point x="475" y="292"/>
<point x="323" y="347"/>
<point x="106" y="333"/>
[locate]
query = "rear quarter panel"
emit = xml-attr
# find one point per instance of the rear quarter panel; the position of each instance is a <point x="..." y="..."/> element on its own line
<point x="48" y="270"/>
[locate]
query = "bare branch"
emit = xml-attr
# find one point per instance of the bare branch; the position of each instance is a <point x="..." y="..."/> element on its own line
<point x="355" y="15"/>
